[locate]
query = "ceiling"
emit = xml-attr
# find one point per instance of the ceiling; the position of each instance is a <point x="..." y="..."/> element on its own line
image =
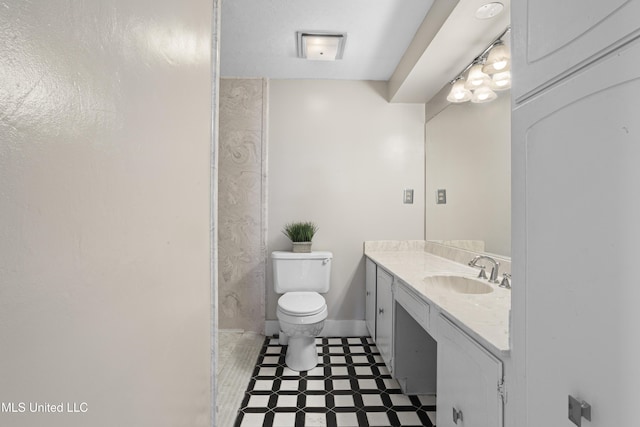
<point x="258" y="37"/>
<point x="418" y="46"/>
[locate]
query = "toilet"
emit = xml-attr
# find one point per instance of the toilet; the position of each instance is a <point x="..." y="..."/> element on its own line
<point x="301" y="278"/>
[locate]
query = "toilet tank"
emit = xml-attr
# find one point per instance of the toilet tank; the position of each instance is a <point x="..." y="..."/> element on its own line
<point x="307" y="272"/>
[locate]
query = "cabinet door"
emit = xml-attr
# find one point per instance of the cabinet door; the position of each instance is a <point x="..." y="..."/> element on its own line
<point x="370" y="297"/>
<point x="576" y="157"/>
<point x="551" y="37"/>
<point x="468" y="378"/>
<point x="384" y="322"/>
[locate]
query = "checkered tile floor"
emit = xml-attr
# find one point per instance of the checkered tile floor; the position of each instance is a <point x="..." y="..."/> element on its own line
<point x="351" y="386"/>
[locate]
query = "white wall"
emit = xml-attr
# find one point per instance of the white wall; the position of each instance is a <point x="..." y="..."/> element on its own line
<point x="105" y="123"/>
<point x="468" y="153"/>
<point x="341" y="155"/>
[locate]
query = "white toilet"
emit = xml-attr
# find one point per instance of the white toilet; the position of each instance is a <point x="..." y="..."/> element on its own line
<point x="301" y="277"/>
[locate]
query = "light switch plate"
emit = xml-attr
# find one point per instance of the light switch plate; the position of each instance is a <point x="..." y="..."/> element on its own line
<point x="408" y="196"/>
<point x="441" y="197"/>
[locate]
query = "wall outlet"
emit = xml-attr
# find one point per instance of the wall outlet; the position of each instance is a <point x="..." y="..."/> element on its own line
<point x="441" y="197"/>
<point x="408" y="196"/>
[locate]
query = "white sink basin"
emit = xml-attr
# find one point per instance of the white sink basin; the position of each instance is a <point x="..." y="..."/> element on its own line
<point x="459" y="284"/>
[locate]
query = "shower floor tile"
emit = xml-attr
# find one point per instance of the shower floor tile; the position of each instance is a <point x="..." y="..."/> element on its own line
<point x="351" y="386"/>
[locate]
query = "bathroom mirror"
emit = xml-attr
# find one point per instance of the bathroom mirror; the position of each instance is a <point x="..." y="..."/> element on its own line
<point x="468" y="154"/>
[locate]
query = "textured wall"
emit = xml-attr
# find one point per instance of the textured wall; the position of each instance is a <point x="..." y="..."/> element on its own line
<point x="242" y="204"/>
<point x="105" y="129"/>
<point x="341" y="155"/>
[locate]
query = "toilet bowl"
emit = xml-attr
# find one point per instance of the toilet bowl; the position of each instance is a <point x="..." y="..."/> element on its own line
<point x="300" y="278"/>
<point x="301" y="316"/>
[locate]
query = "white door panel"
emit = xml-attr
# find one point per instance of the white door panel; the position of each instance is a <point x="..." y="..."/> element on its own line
<point x="580" y="234"/>
<point x="551" y="37"/>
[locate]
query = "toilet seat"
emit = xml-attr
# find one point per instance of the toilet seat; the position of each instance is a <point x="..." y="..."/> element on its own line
<point x="301" y="303"/>
<point x="302" y="308"/>
<point x="303" y="320"/>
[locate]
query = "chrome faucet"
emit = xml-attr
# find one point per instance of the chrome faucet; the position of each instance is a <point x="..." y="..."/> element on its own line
<point x="493" y="278"/>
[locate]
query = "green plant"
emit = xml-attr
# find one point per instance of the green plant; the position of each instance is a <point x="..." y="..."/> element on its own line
<point x="300" y="231"/>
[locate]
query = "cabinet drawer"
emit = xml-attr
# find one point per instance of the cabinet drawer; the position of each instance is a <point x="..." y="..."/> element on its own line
<point x="415" y="306"/>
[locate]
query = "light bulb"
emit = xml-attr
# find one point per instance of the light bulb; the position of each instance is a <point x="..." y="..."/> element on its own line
<point x="476" y="77"/>
<point x="498" y="60"/>
<point x="459" y="93"/>
<point x="501" y="81"/>
<point x="483" y="94"/>
<point x="499" y="65"/>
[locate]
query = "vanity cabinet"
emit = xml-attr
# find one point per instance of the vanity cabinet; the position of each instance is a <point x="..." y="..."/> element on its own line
<point x="429" y="354"/>
<point x="384" y="316"/>
<point x="469" y="381"/>
<point x="370" y="297"/>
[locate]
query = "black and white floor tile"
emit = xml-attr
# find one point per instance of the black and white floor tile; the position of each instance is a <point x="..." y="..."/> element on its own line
<point x="351" y="386"/>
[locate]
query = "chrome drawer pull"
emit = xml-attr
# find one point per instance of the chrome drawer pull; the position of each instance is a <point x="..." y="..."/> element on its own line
<point x="457" y="416"/>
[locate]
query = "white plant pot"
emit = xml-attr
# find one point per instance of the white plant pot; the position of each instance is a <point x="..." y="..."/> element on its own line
<point x="301" y="247"/>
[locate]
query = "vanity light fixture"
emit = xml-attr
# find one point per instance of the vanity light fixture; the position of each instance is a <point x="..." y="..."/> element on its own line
<point x="320" y="45"/>
<point x="489" y="71"/>
<point x="483" y="94"/>
<point x="476" y="77"/>
<point x="498" y="59"/>
<point x="459" y="93"/>
<point x="501" y="81"/>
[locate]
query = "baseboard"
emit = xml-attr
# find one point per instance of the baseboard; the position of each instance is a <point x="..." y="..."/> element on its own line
<point x="332" y="328"/>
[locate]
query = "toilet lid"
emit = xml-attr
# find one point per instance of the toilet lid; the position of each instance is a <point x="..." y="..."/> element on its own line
<point x="301" y="303"/>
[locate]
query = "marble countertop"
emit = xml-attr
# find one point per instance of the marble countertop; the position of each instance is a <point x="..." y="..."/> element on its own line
<point x="484" y="316"/>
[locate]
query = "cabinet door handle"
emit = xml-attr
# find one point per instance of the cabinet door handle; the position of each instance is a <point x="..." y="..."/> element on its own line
<point x="579" y="410"/>
<point x="380" y="310"/>
<point x="368" y="293"/>
<point x="457" y="415"/>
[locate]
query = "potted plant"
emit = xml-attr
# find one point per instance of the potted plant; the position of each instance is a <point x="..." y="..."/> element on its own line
<point x="300" y="234"/>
